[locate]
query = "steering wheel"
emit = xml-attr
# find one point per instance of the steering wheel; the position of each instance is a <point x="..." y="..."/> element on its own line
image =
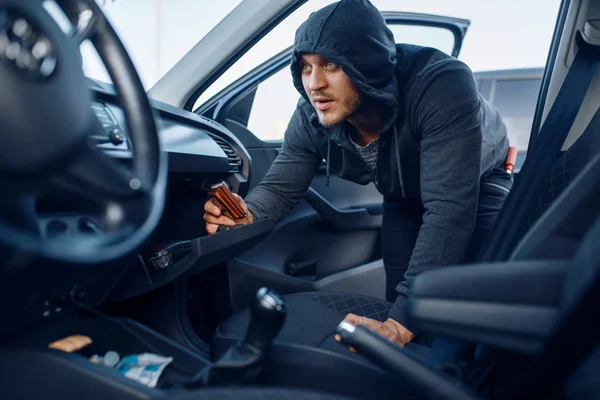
<point x="46" y="121"/>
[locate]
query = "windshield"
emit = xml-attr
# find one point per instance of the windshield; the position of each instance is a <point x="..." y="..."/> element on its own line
<point x="156" y="33"/>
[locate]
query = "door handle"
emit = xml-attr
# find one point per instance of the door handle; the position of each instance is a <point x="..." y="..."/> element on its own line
<point x="342" y="220"/>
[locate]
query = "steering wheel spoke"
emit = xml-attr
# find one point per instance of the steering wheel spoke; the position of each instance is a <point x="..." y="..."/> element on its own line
<point x="100" y="178"/>
<point x="83" y="19"/>
<point x="47" y="145"/>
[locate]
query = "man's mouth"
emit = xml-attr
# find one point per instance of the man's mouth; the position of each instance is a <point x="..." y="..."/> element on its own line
<point x="323" y="104"/>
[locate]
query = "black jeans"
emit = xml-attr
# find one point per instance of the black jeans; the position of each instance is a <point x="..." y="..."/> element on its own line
<point x="402" y="221"/>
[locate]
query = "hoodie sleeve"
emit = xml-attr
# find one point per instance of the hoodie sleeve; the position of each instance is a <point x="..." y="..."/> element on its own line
<point x="448" y="116"/>
<point x="291" y="173"/>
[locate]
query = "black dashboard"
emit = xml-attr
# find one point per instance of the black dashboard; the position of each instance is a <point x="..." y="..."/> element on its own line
<point x="201" y="152"/>
<point x="195" y="144"/>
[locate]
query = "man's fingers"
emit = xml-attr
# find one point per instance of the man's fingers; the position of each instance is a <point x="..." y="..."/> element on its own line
<point x="371" y="324"/>
<point x="338" y="338"/>
<point x="242" y="203"/>
<point x="354" y="319"/>
<point x="211" y="229"/>
<point x="222" y="220"/>
<point x="377" y="327"/>
<point x="211" y="208"/>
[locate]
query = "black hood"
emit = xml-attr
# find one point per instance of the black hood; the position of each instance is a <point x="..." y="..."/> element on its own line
<point x="353" y="34"/>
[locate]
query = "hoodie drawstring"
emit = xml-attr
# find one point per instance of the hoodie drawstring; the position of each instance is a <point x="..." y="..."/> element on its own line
<point x="327" y="162"/>
<point x="398" y="163"/>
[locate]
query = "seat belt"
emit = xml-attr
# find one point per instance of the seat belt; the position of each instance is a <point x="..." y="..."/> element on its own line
<point x="545" y="148"/>
<point x="575" y="339"/>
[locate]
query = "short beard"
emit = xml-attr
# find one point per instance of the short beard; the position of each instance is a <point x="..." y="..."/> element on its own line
<point x="352" y="106"/>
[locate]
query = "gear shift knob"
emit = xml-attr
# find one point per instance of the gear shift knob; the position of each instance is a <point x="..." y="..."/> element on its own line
<point x="267" y="314"/>
<point x="243" y="362"/>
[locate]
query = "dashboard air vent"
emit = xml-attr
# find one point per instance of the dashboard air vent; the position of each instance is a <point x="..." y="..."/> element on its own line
<point x="235" y="162"/>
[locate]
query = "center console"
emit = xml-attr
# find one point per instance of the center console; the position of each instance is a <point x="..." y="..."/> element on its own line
<point x="30" y="369"/>
<point x="189" y="257"/>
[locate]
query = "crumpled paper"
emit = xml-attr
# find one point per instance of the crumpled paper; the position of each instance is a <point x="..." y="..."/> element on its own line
<point x="144" y="368"/>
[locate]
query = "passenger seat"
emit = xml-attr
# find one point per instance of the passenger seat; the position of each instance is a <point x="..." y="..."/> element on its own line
<point x="312" y="316"/>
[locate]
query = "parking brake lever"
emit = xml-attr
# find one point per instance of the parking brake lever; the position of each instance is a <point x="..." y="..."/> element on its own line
<point x="420" y="378"/>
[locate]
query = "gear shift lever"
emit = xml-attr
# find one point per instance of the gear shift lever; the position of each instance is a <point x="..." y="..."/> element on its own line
<point x="267" y="314"/>
<point x="242" y="362"/>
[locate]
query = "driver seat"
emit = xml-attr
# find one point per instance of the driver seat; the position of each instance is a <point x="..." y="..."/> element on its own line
<point x="311" y="320"/>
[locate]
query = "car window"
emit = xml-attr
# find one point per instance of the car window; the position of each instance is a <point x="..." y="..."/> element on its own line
<point x="516" y="100"/>
<point x="156" y="34"/>
<point x="485" y="86"/>
<point x="282" y="37"/>
<point x="429" y="36"/>
<point x="277" y="40"/>
<point x="276" y="96"/>
<point x="524" y="46"/>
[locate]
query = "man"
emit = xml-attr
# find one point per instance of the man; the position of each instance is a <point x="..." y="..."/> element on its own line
<point x="409" y="119"/>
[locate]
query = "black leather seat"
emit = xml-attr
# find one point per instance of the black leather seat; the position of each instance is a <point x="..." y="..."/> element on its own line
<point x="311" y="321"/>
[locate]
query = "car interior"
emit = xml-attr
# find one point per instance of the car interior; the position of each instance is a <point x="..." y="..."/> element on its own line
<point x="102" y="235"/>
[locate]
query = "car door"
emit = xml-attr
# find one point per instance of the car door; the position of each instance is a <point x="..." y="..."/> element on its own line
<point x="337" y="226"/>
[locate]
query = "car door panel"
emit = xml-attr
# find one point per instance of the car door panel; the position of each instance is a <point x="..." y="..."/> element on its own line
<point x="307" y="242"/>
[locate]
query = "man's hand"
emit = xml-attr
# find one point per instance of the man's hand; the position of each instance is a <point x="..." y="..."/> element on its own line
<point x="390" y="329"/>
<point x="214" y="217"/>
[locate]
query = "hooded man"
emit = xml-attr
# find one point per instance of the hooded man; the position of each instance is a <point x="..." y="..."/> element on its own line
<point x="409" y="119"/>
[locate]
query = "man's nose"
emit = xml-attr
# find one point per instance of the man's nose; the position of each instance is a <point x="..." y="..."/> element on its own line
<point x="317" y="80"/>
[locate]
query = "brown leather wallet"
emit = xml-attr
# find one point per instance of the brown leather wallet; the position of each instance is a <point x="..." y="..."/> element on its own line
<point x="229" y="205"/>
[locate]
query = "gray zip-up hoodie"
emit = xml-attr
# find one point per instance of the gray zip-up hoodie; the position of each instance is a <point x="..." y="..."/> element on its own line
<point x="439" y="138"/>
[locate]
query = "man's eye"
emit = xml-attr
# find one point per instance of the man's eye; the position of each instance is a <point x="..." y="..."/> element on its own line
<point x="305" y="67"/>
<point x="331" y="64"/>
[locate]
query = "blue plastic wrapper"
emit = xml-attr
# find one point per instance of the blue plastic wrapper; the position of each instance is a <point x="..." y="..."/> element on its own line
<point x="143" y="368"/>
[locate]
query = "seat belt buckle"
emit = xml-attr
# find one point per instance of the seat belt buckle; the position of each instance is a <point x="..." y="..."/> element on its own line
<point x="511" y="159"/>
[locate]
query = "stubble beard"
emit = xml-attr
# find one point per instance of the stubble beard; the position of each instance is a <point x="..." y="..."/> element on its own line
<point x="351" y="107"/>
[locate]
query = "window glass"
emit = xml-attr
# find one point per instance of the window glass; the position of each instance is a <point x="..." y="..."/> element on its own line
<point x="276" y="97"/>
<point x="484" y="85"/>
<point x="156" y="33"/>
<point x="488" y="45"/>
<point x="274" y="42"/>
<point x="516" y="100"/>
<point x="274" y="103"/>
<point x="439" y="38"/>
